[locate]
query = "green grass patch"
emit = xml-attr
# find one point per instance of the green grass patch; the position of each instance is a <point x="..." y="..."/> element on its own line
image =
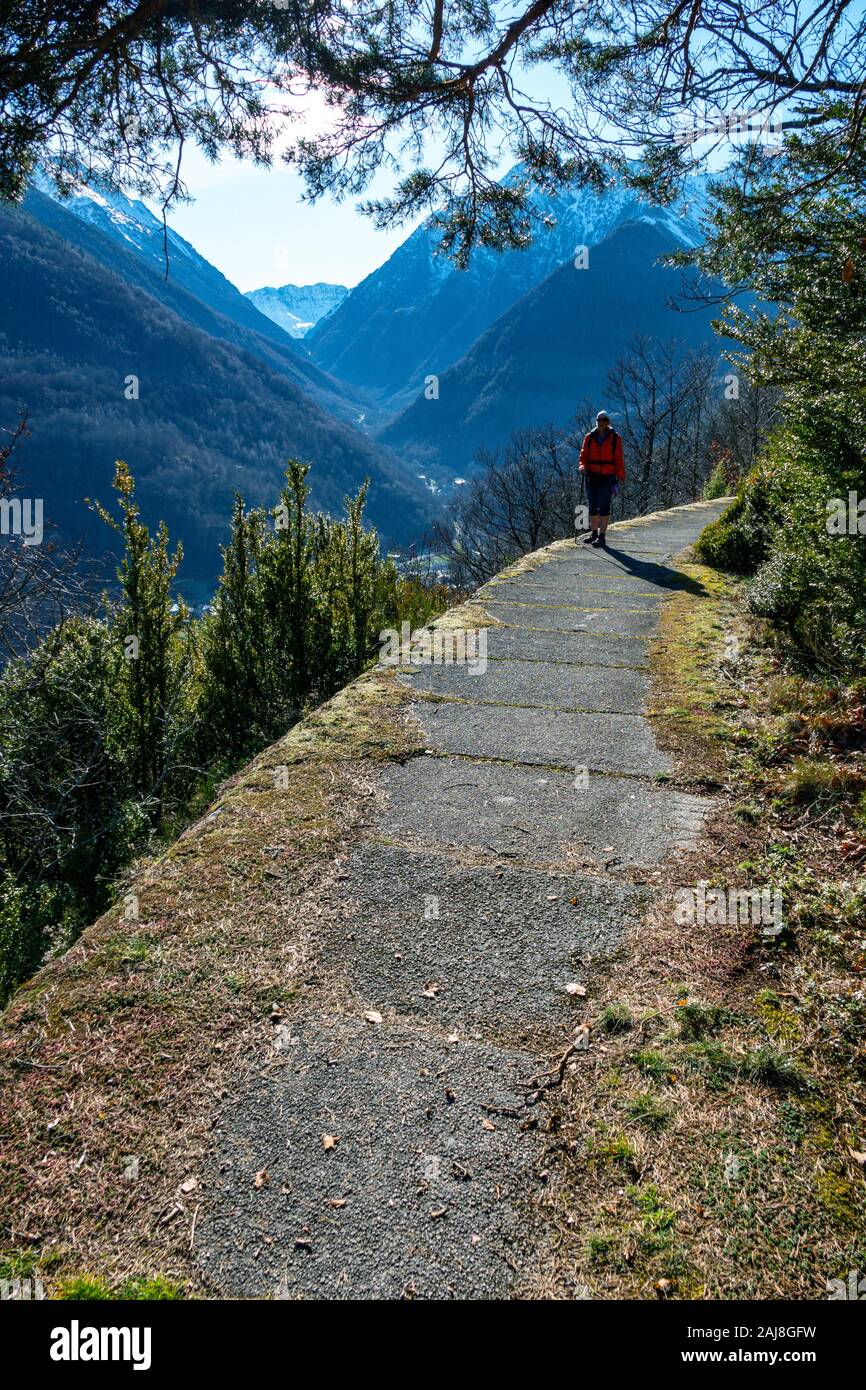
<point x="696" y="1021"/>
<point x="647" y="1110"/>
<point x="615" y="1018"/>
<point x="770" y="1067"/>
<point x="714" y="1063"/>
<point x="613" y="1149"/>
<point x="138" y="1288"/>
<point x="653" y="1064"/>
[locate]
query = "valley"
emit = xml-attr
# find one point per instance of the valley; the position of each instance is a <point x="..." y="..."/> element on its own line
<point x="95" y="288"/>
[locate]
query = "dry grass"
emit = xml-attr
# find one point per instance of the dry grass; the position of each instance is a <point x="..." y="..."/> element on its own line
<point x="710" y="1149"/>
<point x="115" y="1058"/>
<point x="466" y="616"/>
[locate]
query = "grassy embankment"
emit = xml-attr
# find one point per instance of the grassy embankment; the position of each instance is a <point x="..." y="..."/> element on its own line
<point x="713" y="1140"/>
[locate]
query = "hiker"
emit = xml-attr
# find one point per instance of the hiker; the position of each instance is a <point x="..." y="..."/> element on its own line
<point x="602" y="463"/>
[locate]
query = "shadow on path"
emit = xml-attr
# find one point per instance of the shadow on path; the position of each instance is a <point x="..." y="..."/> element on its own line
<point x="662" y="575"/>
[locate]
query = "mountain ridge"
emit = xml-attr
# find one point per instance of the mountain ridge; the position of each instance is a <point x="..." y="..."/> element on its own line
<point x="211" y="417"/>
<point x="417" y="315"/>
<point x="549" y="351"/>
<point x="297" y="308"/>
<point x="104" y="223"/>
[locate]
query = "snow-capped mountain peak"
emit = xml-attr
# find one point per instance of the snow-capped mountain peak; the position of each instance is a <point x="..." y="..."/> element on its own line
<point x="125" y="218"/>
<point x="296" y="308"/>
<point x="417" y="314"/>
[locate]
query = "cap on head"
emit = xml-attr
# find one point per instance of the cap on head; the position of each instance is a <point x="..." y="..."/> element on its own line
<point x="602" y="415"/>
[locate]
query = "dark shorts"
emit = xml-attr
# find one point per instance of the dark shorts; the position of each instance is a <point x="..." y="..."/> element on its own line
<point x="600" y="489"/>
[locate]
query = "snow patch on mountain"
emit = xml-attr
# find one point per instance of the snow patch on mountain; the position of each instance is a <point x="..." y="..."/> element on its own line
<point x="126" y="218"/>
<point x="417" y="314"/>
<point x="576" y="217"/>
<point x="296" y="308"/>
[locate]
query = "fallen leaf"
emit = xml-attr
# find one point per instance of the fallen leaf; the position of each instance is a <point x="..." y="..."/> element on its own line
<point x="431" y="990"/>
<point x="330" y="1141"/>
<point x="858" y="1157"/>
<point x="337" y="1202"/>
<point x="190" y="1185"/>
<point x="488" y="1124"/>
<point x="262" y="1178"/>
<point x="373" y="1016"/>
<point x="579" y="990"/>
<point x="453" y="1038"/>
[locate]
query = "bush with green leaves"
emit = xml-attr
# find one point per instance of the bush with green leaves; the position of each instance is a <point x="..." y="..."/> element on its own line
<point x="807" y="580"/>
<point x="717" y="483"/>
<point x="68" y="815"/>
<point x="155" y="666"/>
<point x="803" y="254"/>
<point x="300" y="603"/>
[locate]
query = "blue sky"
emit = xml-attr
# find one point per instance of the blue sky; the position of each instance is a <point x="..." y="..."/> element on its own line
<point x="252" y="225"/>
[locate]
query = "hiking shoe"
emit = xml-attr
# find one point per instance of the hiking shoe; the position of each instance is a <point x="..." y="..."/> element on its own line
<point x="600" y="543"/>
<point x="590" y="539"/>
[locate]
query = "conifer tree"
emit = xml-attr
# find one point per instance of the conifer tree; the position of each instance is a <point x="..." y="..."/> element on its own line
<point x="149" y="625"/>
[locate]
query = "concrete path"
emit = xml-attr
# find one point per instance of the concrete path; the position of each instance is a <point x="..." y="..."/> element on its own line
<point x="503" y="867"/>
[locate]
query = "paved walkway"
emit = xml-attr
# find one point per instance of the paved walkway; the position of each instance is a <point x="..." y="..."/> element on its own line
<point x="498" y="873"/>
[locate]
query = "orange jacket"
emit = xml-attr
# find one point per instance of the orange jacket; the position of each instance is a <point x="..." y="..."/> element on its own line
<point x="604" y="458"/>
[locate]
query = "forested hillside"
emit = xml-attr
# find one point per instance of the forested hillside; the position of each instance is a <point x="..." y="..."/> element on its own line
<point x="210" y="418"/>
<point x="124" y="236"/>
<point x="551" y="351"/>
